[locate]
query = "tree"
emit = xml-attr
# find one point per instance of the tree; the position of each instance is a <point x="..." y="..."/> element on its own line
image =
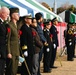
<point x="72" y="8"/>
<point x="46" y="5"/>
<point x="63" y="7"/>
<point x="60" y="9"/>
<point x="66" y="7"/>
<point x="75" y="10"/>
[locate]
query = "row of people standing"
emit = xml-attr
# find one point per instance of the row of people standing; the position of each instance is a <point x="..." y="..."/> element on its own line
<point x="39" y="42"/>
<point x="32" y="42"/>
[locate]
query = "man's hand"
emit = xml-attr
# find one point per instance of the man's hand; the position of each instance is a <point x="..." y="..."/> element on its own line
<point x="9" y="55"/>
<point x="46" y="44"/>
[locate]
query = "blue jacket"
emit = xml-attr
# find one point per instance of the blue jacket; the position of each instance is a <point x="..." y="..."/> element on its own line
<point x="40" y="32"/>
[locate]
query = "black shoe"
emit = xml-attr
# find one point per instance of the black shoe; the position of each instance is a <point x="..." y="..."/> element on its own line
<point x="70" y="60"/>
<point x="47" y="71"/>
<point x="53" y="67"/>
<point x="39" y="74"/>
<point x="74" y="56"/>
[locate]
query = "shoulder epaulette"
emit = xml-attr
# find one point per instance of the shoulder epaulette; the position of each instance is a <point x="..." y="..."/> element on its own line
<point x="24" y="47"/>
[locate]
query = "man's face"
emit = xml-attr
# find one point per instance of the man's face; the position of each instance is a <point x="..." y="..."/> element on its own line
<point x="5" y="15"/>
<point x="28" y="21"/>
<point x="34" y="23"/>
<point x="55" y="23"/>
<point x="41" y="19"/>
<point x="48" y="26"/>
<point x="15" y="16"/>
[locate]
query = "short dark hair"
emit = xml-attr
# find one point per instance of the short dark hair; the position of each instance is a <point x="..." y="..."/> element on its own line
<point x="14" y="10"/>
<point x="38" y="16"/>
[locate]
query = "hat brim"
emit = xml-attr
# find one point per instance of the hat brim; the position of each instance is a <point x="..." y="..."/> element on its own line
<point x="29" y="18"/>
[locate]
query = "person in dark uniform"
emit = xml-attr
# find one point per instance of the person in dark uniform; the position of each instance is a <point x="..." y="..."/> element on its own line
<point x="13" y="44"/>
<point x="47" y="49"/>
<point x="74" y="30"/>
<point x="70" y="43"/>
<point x="4" y="13"/>
<point x="54" y="32"/>
<point x="27" y="46"/>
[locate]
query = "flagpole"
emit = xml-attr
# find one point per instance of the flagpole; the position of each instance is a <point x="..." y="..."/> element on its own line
<point x="55" y="7"/>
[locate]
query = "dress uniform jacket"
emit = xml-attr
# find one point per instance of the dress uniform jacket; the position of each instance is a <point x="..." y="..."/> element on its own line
<point x="47" y="36"/>
<point x="2" y="40"/>
<point x="26" y="41"/>
<point x="13" y="40"/>
<point x="53" y="31"/>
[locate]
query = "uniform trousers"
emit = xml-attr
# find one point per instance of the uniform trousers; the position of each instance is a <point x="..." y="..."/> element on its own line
<point x="52" y="60"/>
<point x="29" y="61"/>
<point x="12" y="65"/>
<point x="2" y="66"/>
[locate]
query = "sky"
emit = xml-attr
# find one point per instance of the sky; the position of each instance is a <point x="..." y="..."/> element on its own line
<point x="58" y="2"/>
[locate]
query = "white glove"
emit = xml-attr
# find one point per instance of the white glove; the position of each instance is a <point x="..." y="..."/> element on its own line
<point x="70" y="43"/>
<point x="25" y="53"/>
<point x="47" y="49"/>
<point x="54" y="46"/>
<point x="21" y="59"/>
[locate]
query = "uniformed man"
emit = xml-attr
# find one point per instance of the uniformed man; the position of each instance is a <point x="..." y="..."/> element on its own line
<point x="74" y="33"/>
<point x="27" y="45"/>
<point x="13" y="44"/>
<point x="70" y="42"/>
<point x="48" y="48"/>
<point x="4" y="13"/>
<point x="54" y="32"/>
